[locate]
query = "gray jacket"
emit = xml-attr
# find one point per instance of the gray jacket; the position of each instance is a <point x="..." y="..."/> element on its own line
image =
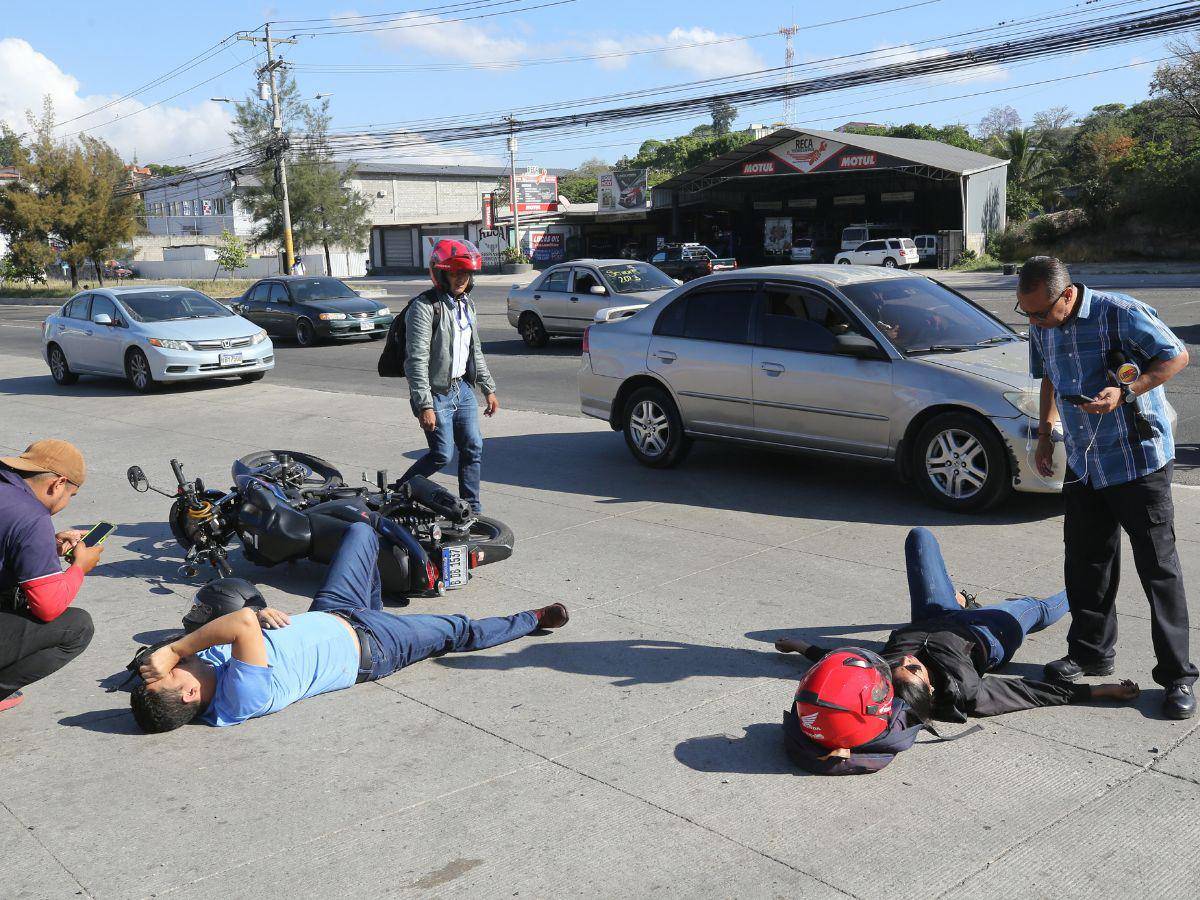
<point x="429" y="351"/>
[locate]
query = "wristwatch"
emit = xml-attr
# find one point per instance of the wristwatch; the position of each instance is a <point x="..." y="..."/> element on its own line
<point x="1128" y="395"/>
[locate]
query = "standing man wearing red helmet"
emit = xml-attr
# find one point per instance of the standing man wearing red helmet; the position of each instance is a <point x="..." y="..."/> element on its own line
<point x="444" y="364"/>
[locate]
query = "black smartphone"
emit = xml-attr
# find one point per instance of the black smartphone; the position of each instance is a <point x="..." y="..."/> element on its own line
<point x="1077" y="399"/>
<point x="97" y="535"/>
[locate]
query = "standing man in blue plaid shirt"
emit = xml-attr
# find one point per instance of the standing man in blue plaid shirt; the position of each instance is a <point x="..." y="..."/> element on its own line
<point x="1102" y="359"/>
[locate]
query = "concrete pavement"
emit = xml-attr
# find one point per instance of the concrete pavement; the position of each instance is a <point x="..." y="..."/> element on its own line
<point x="635" y="751"/>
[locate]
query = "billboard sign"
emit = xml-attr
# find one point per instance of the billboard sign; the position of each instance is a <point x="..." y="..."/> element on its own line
<point x="488" y="212"/>
<point x="537" y="192"/>
<point x="777" y="235"/>
<point x="491" y="245"/>
<point x="545" y="246"/>
<point x="807" y="153"/>
<point x="764" y="167"/>
<point x="627" y="191"/>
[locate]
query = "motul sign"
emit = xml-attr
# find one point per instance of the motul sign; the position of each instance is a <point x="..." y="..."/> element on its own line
<point x="858" y="161"/>
<point x="758" y="168"/>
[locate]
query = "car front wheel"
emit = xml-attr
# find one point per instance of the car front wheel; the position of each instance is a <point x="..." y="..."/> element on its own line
<point x="59" y="370"/>
<point x="137" y="371"/>
<point x="654" y="429"/>
<point x="959" y="463"/>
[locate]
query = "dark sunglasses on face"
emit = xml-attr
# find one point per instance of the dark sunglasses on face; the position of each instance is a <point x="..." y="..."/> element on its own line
<point x="1041" y="315"/>
<point x="912" y="667"/>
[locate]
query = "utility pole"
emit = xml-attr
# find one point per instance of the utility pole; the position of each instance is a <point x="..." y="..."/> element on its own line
<point x="280" y="141"/>
<point x="789" y="57"/>
<point x="512" y="181"/>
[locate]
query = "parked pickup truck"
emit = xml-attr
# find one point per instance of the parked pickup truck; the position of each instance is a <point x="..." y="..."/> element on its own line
<point x="688" y="261"/>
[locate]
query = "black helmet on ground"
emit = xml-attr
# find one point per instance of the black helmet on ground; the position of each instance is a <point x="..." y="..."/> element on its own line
<point x="219" y="597"/>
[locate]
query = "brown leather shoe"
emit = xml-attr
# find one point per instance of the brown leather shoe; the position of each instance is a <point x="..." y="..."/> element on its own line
<point x="553" y="616"/>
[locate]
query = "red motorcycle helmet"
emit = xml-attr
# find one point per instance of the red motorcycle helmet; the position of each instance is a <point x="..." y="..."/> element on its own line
<point x="845" y="700"/>
<point x="453" y="254"/>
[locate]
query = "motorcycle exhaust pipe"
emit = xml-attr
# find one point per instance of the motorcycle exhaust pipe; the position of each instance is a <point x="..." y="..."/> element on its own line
<point x="438" y="499"/>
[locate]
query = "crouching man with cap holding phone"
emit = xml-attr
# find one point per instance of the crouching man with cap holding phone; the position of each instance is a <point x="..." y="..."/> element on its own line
<point x="1103" y="359"/>
<point x="40" y="632"/>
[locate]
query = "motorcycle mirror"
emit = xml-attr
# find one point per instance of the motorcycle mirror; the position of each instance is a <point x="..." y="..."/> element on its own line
<point x="137" y="479"/>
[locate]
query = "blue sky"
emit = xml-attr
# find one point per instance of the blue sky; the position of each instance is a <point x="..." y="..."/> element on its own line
<point x="86" y="54"/>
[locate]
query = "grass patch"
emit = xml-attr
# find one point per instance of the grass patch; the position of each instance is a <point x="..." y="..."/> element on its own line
<point x="58" y="289"/>
<point x="983" y="263"/>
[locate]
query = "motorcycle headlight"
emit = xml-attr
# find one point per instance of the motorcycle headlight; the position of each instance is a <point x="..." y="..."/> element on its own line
<point x="1026" y="402"/>
<point x="331" y="316"/>
<point x="383" y="311"/>
<point x="258" y="337"/>
<point x="168" y="344"/>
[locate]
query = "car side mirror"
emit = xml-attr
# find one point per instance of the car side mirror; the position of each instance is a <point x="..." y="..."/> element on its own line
<point x="598" y="289"/>
<point x="102" y="319"/>
<point x="137" y="479"/>
<point x="858" y="346"/>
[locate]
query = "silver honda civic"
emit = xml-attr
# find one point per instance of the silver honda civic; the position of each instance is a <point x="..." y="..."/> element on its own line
<point x="850" y="361"/>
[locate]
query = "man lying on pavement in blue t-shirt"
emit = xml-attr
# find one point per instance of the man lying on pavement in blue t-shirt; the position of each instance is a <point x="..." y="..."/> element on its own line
<point x="231" y="669"/>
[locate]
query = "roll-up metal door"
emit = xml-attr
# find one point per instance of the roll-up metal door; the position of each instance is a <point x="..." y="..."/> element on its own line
<point x="397" y="247"/>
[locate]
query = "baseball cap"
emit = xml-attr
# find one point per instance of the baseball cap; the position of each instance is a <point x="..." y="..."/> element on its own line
<point x="51" y="455"/>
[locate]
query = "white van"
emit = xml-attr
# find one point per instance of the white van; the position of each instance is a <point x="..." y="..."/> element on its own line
<point x="927" y="247"/>
<point x="854" y="235"/>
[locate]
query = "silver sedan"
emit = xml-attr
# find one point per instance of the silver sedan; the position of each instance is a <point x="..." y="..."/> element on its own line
<point x="565" y="298"/>
<point x="850" y="361"/>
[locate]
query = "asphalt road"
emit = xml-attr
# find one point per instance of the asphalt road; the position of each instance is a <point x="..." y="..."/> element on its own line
<point x="545" y="380"/>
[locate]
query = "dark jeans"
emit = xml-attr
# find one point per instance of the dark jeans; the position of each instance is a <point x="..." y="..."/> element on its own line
<point x="31" y="649"/>
<point x="1092" y="534"/>
<point x="353" y="586"/>
<point x="1002" y="626"/>
<point x="457" y="426"/>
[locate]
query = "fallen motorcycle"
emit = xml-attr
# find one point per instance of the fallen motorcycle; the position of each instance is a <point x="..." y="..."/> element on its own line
<point x="286" y="505"/>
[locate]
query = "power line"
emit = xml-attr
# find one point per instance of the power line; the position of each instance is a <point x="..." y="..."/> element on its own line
<point x="337" y="30"/>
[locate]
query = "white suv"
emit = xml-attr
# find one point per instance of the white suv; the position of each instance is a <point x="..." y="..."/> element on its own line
<point x="893" y="253"/>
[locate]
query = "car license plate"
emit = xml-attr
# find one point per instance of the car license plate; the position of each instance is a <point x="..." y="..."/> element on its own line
<point x="230" y="359"/>
<point x="366" y="326"/>
<point x="454" y="566"/>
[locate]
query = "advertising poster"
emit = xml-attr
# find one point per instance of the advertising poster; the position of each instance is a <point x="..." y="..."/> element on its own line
<point x="545" y="246"/>
<point x="807" y="153"/>
<point x="491" y="245"/>
<point x="537" y="192"/>
<point x="488" y="213"/>
<point x="627" y="191"/>
<point x="777" y="235"/>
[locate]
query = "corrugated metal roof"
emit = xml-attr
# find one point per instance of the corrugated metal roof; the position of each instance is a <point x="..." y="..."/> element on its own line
<point x="926" y="153"/>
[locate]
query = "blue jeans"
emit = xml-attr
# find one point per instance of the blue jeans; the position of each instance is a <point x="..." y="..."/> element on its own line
<point x="1001" y="626"/>
<point x="457" y="426"/>
<point x="352" y="586"/>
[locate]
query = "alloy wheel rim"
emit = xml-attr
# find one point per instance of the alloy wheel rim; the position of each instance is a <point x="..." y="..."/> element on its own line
<point x="531" y="330"/>
<point x="58" y="365"/>
<point x="303" y="333"/>
<point x="140" y="368"/>
<point x="956" y="463"/>
<point x="650" y="428"/>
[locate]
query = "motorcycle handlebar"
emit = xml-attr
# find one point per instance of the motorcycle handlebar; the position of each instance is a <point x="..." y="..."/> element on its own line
<point x="178" y="470"/>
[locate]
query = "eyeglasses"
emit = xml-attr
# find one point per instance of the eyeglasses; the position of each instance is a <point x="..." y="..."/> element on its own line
<point x="1041" y="315"/>
<point x="913" y="668"/>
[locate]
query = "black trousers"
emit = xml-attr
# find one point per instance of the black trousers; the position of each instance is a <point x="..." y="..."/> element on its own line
<point x="1092" y="534"/>
<point x="30" y="649"/>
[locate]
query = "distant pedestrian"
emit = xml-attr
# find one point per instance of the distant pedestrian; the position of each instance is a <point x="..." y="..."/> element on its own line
<point x="298" y="267"/>
<point x="1102" y="359"/>
<point x="444" y="363"/>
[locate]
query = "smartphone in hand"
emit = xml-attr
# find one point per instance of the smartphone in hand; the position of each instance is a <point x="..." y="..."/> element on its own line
<point x="96" y="536"/>
<point x="1077" y="399"/>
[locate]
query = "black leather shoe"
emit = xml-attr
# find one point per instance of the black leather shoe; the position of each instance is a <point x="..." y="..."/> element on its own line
<point x="1180" y="702"/>
<point x="970" y="601"/>
<point x="1067" y="669"/>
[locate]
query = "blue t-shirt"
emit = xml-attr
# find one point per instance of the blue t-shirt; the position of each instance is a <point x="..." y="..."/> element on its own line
<point x="315" y="654"/>
<point x="28" y="550"/>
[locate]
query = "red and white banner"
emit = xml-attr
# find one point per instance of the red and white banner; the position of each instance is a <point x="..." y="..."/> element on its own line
<point x="805" y="153"/>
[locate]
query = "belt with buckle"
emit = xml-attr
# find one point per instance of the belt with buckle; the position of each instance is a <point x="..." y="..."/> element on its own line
<point x="366" y="661"/>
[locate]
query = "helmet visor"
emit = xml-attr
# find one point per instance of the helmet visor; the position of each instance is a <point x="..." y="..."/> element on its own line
<point x="867" y="659"/>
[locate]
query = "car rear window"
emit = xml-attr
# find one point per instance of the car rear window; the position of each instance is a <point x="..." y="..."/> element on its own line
<point x="555" y="281"/>
<point x="907" y="244"/>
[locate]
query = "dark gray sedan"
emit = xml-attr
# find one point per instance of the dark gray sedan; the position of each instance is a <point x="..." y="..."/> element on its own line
<point x="312" y="308"/>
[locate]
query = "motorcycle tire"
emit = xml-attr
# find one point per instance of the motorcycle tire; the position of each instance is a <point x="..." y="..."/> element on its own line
<point x="323" y="476"/>
<point x="490" y="537"/>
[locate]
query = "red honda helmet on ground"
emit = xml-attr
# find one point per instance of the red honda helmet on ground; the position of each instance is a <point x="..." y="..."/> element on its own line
<point x="845" y="699"/>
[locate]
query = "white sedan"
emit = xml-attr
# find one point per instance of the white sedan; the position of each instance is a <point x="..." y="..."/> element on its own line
<point x="892" y="253"/>
<point x="152" y="335"/>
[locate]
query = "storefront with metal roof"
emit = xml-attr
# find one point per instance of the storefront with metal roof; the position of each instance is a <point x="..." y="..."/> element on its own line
<point x="755" y="201"/>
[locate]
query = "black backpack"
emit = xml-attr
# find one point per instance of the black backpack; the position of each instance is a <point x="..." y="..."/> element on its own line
<point x="395" y="345"/>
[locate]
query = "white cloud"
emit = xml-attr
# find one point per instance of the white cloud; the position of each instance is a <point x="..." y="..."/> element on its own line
<point x="713" y="61"/>
<point x="906" y="53"/>
<point x="156" y="135"/>
<point x="454" y="41"/>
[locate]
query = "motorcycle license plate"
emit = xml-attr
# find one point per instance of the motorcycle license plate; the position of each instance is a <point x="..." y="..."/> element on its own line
<point x="231" y="359"/>
<point x="366" y="326"/>
<point x="455" y="566"/>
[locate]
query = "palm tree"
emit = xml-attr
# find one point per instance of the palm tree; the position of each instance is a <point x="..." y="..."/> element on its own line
<point x="1032" y="166"/>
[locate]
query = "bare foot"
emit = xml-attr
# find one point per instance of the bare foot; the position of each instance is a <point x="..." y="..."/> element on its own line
<point x="1121" y="690"/>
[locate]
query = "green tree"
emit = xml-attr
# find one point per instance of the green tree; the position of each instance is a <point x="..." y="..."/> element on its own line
<point x="1178" y="83"/>
<point x="74" y="195"/>
<point x="580" y="185"/>
<point x="723" y="113"/>
<point x="231" y="253"/>
<point x="1034" y="174"/>
<point x="158" y="169"/>
<point x="10" y="146"/>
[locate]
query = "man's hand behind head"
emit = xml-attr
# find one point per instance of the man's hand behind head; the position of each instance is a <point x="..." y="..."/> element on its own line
<point x="86" y="557"/>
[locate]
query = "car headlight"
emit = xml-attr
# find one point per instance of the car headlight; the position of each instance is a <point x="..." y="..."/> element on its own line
<point x="258" y="337"/>
<point x="331" y="316"/>
<point x="1027" y="402"/>
<point x="168" y="345"/>
<point x="383" y="311"/>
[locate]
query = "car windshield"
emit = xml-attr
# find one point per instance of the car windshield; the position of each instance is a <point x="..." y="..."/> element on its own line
<point x="921" y="316"/>
<point x="320" y="289"/>
<point x="631" y="277"/>
<point x="167" y="306"/>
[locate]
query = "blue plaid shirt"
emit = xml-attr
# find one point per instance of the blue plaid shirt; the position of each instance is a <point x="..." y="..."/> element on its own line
<point x="1105" y="450"/>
